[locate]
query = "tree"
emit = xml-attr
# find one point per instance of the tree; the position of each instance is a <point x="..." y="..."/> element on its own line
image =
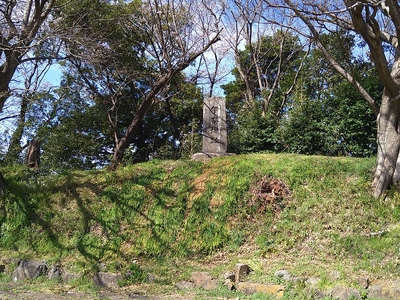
<point x="33" y="154"/>
<point x="174" y="45"/>
<point x="21" y="28"/>
<point x="327" y="116"/>
<point x="178" y="120"/>
<point x="377" y="23"/>
<point x="33" y="75"/>
<point x="244" y="26"/>
<point x="266" y="72"/>
<point x="72" y="128"/>
<point x="160" y="39"/>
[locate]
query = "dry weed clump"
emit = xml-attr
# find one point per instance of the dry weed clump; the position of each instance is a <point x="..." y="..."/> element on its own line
<point x="269" y="194"/>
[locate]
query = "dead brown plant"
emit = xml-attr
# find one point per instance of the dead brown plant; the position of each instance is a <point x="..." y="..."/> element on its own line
<point x="269" y="194"/>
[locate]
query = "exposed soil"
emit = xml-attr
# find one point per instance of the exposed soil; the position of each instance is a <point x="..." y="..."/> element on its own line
<point x="270" y="194"/>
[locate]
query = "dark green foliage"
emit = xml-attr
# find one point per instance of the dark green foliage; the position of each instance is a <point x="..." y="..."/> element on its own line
<point x="327" y="115"/>
<point x="171" y="129"/>
<point x="323" y="114"/>
<point x="101" y="90"/>
<point x="72" y="130"/>
<point x="252" y="132"/>
<point x="252" y="122"/>
<point x="306" y="131"/>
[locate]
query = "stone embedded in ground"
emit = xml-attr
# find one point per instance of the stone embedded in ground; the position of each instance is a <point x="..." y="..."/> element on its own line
<point x="29" y="270"/>
<point x="67" y="277"/>
<point x="363" y="282"/>
<point x="283" y="274"/>
<point x="229" y="284"/>
<point x="108" y="280"/>
<point x="230" y="276"/>
<point x="54" y="273"/>
<point x="312" y="281"/>
<point x="310" y="292"/>
<point x="241" y="271"/>
<point x="345" y="293"/>
<point x="335" y="275"/>
<point x="268" y="289"/>
<point x="199" y="277"/>
<point x="210" y="285"/>
<point x="202" y="156"/>
<point x="385" y="290"/>
<point x="203" y="280"/>
<point x="184" y="285"/>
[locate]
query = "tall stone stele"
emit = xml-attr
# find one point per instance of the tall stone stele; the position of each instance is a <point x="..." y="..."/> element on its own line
<point x="214" y="129"/>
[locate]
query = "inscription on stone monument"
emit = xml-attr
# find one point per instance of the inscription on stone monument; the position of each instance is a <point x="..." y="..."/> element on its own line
<point x="214" y="125"/>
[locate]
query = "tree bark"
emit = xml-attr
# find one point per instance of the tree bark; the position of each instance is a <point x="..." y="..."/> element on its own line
<point x="388" y="145"/>
<point x="33" y="154"/>
<point x="2" y="184"/>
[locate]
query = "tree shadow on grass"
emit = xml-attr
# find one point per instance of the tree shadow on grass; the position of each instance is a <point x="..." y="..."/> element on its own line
<point x="94" y="219"/>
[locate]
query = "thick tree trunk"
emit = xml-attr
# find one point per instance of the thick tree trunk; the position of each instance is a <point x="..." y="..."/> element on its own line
<point x="7" y="71"/>
<point x="388" y="145"/>
<point x="33" y="154"/>
<point x="125" y="141"/>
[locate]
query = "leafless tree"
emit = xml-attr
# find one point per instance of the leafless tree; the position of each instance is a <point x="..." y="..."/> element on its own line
<point x="213" y="66"/>
<point x="21" y="24"/>
<point x="244" y="27"/>
<point x="378" y="24"/>
<point x="247" y="23"/>
<point x="33" y="77"/>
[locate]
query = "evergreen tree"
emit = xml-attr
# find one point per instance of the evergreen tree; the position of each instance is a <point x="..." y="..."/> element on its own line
<point x="327" y="115"/>
<point x="252" y="125"/>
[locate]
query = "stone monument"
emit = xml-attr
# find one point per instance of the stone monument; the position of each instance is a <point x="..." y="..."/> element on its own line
<point x="214" y="125"/>
<point x="214" y="129"/>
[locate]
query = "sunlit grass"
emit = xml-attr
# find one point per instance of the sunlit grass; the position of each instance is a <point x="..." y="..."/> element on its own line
<point x="167" y="211"/>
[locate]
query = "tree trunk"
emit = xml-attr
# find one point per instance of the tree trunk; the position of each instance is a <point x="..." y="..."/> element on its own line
<point x="33" y="154"/>
<point x="15" y="149"/>
<point x="2" y="184"/>
<point x="388" y="145"/>
<point x="124" y="142"/>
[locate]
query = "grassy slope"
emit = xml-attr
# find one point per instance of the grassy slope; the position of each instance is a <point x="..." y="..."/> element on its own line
<point x="187" y="215"/>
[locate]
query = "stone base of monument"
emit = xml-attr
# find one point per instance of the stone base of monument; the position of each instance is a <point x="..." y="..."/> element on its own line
<point x="204" y="156"/>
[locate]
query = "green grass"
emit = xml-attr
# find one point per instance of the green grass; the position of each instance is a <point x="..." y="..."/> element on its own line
<point x="182" y="214"/>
